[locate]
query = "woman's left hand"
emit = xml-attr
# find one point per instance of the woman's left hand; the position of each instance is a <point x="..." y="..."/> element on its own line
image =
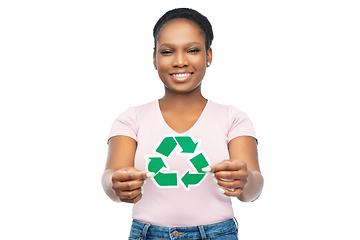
<point x="232" y="175"/>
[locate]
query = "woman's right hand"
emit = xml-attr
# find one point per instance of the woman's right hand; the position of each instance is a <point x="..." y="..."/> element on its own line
<point x="127" y="183"/>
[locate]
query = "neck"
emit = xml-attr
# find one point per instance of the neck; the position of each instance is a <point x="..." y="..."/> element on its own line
<point x="180" y="101"/>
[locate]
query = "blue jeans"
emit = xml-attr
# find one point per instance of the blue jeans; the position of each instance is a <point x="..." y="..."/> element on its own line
<point x="227" y="230"/>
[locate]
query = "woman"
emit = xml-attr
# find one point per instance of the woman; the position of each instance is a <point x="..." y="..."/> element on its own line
<point x="180" y="159"/>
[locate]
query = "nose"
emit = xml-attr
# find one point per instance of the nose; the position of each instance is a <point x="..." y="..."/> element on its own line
<point x="180" y="60"/>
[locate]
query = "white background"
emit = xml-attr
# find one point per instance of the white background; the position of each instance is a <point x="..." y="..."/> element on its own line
<point x="68" y="68"/>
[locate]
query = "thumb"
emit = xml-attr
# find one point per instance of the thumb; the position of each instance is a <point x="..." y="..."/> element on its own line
<point x="149" y="174"/>
<point x="208" y="169"/>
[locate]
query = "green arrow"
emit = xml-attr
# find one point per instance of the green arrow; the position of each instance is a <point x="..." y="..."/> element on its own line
<point x="166" y="146"/>
<point x="192" y="178"/>
<point x="155" y="164"/>
<point x="166" y="179"/>
<point x="199" y="162"/>
<point x="187" y="144"/>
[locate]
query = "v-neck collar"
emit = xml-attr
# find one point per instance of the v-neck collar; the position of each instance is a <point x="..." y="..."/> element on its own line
<point x="192" y="127"/>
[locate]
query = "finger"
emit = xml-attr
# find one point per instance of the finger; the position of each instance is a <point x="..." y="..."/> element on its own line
<point x="226" y="165"/>
<point x="128" y="174"/>
<point x="232" y="175"/>
<point x="135" y="200"/>
<point x="228" y="175"/>
<point x="130" y="196"/>
<point x="230" y="184"/>
<point x="128" y="185"/>
<point x="230" y="193"/>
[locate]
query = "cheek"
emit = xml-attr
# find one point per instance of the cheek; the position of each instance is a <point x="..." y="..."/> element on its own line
<point x="164" y="63"/>
<point x="199" y="63"/>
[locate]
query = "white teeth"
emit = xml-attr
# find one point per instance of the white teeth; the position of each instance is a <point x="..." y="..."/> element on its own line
<point x="182" y="75"/>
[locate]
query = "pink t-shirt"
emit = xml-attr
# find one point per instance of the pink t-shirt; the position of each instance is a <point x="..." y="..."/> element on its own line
<point x="181" y="194"/>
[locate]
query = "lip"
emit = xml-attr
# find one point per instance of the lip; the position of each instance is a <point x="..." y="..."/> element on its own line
<point x="182" y="78"/>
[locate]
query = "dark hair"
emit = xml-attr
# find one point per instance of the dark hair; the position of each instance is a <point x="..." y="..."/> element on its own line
<point x="190" y="14"/>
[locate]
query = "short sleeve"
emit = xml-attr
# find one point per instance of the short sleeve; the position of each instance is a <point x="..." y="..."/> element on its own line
<point x="239" y="124"/>
<point x="125" y="125"/>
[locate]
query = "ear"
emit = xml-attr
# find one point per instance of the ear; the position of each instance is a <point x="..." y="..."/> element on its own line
<point x="209" y="55"/>
<point x="154" y="59"/>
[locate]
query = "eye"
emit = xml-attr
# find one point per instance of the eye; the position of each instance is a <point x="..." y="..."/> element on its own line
<point x="166" y="52"/>
<point x="195" y="50"/>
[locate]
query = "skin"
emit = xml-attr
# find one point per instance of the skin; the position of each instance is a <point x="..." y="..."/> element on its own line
<point x="180" y="48"/>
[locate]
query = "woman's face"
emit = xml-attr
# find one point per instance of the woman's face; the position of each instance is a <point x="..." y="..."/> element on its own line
<point x="181" y="57"/>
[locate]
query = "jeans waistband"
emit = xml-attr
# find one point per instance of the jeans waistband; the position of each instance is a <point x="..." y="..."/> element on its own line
<point x="140" y="230"/>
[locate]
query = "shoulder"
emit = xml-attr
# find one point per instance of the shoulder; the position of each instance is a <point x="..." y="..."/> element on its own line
<point x="127" y="123"/>
<point x="133" y="115"/>
<point x="146" y="105"/>
<point x="235" y="121"/>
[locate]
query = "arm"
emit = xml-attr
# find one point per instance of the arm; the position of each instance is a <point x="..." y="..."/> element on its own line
<point x="121" y="181"/>
<point x="245" y="149"/>
<point x="240" y="176"/>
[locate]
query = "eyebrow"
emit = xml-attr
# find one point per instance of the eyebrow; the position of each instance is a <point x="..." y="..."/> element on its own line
<point x="169" y="44"/>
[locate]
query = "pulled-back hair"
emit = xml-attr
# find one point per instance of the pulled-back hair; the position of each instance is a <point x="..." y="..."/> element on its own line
<point x="190" y="14"/>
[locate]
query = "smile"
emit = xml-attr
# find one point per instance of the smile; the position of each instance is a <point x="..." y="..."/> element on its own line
<point x="181" y="75"/>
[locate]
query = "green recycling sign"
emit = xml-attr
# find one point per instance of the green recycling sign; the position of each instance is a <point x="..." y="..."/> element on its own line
<point x="172" y="179"/>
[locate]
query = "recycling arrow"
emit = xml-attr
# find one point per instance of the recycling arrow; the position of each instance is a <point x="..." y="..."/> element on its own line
<point x="199" y="162"/>
<point x="166" y="179"/>
<point x="156" y="164"/>
<point x="166" y="147"/>
<point x="192" y="178"/>
<point x="187" y="144"/>
<point x="163" y="179"/>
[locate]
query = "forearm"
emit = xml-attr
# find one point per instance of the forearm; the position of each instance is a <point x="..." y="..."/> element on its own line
<point x="253" y="188"/>
<point x="107" y="185"/>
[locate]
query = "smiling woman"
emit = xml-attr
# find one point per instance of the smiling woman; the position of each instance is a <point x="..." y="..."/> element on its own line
<point x="181" y="56"/>
<point x="182" y="201"/>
